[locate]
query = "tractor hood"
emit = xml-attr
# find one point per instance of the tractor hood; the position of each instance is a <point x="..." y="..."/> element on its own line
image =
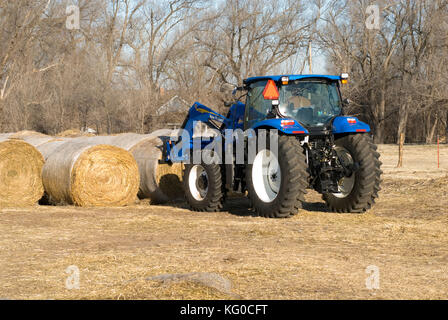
<point x="345" y="124"/>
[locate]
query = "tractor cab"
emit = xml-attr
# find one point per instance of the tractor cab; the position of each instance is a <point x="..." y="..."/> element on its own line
<point x="313" y="101"/>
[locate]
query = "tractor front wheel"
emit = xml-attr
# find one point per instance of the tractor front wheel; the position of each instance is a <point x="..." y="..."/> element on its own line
<point x="277" y="183"/>
<point x="204" y="189"/>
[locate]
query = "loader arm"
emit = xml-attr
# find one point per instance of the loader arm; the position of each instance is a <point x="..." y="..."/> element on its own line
<point x="178" y="149"/>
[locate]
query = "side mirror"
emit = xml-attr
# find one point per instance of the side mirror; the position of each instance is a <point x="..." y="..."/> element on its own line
<point x="237" y="89"/>
<point x="228" y="104"/>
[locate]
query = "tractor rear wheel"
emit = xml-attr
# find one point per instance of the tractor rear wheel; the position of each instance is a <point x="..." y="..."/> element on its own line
<point x="204" y="189"/>
<point x="277" y="184"/>
<point x="357" y="193"/>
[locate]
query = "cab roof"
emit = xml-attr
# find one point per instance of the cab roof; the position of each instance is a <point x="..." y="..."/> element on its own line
<point x="291" y="77"/>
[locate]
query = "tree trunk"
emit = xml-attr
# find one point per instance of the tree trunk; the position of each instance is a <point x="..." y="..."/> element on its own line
<point x="430" y="137"/>
<point x="109" y="124"/>
<point x="402" y="122"/>
<point x="400" y="150"/>
<point x="431" y="129"/>
<point x="1" y="115"/>
<point x="380" y="114"/>
<point x="379" y="125"/>
<point x="446" y="128"/>
<point x="401" y="133"/>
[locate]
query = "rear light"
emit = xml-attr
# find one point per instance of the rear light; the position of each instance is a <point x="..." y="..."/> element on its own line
<point x="351" y="120"/>
<point x="288" y="123"/>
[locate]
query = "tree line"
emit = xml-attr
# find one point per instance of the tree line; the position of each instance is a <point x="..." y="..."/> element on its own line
<point x="125" y="58"/>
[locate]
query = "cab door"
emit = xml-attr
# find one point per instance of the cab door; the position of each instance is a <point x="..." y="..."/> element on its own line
<point x="257" y="108"/>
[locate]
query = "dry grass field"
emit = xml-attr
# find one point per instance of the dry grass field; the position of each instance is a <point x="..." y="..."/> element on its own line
<point x="315" y="255"/>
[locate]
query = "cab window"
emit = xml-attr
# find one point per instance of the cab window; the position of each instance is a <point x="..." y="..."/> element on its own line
<point x="257" y="107"/>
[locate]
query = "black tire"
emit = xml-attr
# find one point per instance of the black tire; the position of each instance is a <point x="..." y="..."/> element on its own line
<point x="367" y="177"/>
<point x="294" y="181"/>
<point x="214" y="198"/>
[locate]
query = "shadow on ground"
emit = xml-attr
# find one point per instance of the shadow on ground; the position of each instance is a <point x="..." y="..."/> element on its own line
<point x="239" y="205"/>
<point x="315" y="206"/>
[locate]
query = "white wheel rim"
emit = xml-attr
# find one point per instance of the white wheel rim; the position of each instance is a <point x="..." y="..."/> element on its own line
<point x="198" y="182"/>
<point x="266" y="176"/>
<point x="345" y="184"/>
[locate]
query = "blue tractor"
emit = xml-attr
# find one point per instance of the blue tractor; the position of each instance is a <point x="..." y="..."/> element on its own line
<point x="317" y="147"/>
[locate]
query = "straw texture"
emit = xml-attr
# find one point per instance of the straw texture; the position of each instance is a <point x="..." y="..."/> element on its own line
<point x="89" y="175"/>
<point x="20" y="173"/>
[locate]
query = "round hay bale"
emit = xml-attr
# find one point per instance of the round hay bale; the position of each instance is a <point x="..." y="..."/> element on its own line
<point x="5" y="136"/>
<point x="34" y="138"/>
<point x="163" y="132"/>
<point x="25" y="133"/>
<point x="158" y="182"/>
<point x="47" y="149"/>
<point x="74" y="133"/>
<point x="20" y="173"/>
<point x="89" y="175"/>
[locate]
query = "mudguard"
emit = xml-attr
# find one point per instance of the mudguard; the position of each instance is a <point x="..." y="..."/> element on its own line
<point x="349" y="125"/>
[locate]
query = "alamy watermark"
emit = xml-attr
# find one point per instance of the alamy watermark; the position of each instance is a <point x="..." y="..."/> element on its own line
<point x="373" y="279"/>
<point x="72" y="282"/>
<point x="229" y="147"/>
<point x="373" y="17"/>
<point x="73" y="18"/>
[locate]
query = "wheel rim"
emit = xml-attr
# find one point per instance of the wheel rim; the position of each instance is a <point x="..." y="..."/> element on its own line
<point x="198" y="182"/>
<point x="266" y="176"/>
<point x="345" y="184"/>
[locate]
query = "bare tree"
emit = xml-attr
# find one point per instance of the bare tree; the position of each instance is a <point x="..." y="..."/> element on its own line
<point x="249" y="38"/>
<point x="395" y="69"/>
<point x="131" y="56"/>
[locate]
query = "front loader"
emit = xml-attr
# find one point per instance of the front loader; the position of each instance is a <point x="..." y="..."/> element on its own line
<point x="311" y="144"/>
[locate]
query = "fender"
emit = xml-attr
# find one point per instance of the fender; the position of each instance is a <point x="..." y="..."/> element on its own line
<point x="286" y="126"/>
<point x="344" y="124"/>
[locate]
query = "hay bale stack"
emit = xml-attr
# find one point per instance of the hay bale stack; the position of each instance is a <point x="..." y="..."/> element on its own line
<point x="89" y="175"/>
<point x="159" y="182"/>
<point x="20" y="173"/>
<point x="47" y="149"/>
